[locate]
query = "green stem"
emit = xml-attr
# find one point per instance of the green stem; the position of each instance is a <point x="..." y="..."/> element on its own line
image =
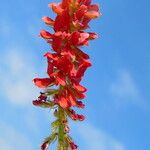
<point x="61" y="133"/>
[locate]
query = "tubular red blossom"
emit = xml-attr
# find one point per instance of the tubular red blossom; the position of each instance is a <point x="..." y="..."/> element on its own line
<point x="73" y="146"/>
<point x="56" y="8"/>
<point x="80" y="104"/>
<point x="44" y="146"/>
<point x="66" y="66"/>
<point x="79" y="87"/>
<point x="75" y="116"/>
<point x="42" y="97"/>
<point x="42" y="82"/>
<point x="46" y="35"/>
<point x="93" y="7"/>
<point x="92" y="14"/>
<point x="92" y="36"/>
<point x="48" y="21"/>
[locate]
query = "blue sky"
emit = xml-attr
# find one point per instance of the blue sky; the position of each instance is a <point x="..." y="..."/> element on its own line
<point x="117" y="103"/>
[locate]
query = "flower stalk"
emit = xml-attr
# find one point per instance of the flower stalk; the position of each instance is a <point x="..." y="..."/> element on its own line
<point x="67" y="63"/>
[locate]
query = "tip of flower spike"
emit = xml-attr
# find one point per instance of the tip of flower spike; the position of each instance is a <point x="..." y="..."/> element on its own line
<point x="56" y="8"/>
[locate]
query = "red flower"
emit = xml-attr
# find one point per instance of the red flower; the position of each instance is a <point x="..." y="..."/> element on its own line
<point x="48" y="21"/>
<point x="75" y="116"/>
<point x="44" y="146"/>
<point x="79" y="87"/>
<point x="56" y="8"/>
<point x="45" y="34"/>
<point x="43" y="82"/>
<point x="73" y="146"/>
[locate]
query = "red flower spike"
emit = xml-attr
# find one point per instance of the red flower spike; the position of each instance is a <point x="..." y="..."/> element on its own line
<point x="66" y="65"/>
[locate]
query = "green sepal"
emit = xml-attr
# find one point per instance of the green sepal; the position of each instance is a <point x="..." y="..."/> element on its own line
<point x="50" y="92"/>
<point x="50" y="138"/>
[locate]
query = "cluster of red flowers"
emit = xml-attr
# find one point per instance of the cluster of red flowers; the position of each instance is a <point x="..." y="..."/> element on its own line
<point x="66" y="63"/>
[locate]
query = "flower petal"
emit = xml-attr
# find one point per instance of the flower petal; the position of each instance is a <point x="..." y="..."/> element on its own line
<point x="45" y="34"/>
<point x="92" y="36"/>
<point x="93" y="7"/>
<point x="56" y="8"/>
<point x="42" y="82"/>
<point x="44" y="146"/>
<point x="48" y="21"/>
<point x="60" y="79"/>
<point x="92" y="14"/>
<point x="79" y="87"/>
<point x="63" y="102"/>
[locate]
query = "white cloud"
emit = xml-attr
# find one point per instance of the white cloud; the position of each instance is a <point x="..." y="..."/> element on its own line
<point x="16" y="74"/>
<point x="125" y="90"/>
<point x="4" y="145"/>
<point x="98" y="139"/>
<point x="124" y="86"/>
<point x="11" y="139"/>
